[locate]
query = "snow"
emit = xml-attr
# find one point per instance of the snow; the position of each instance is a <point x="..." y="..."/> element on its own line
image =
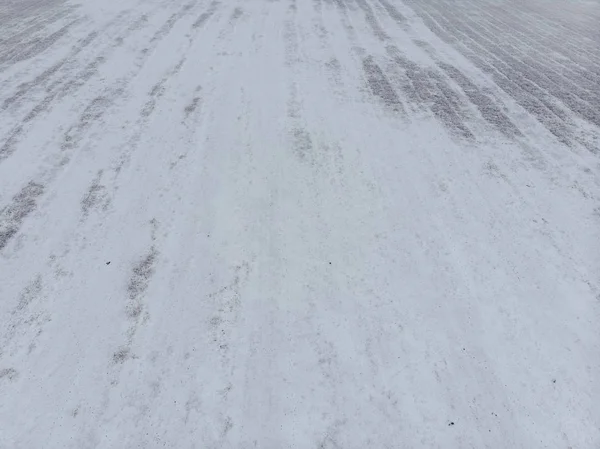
<point x="285" y="224"/>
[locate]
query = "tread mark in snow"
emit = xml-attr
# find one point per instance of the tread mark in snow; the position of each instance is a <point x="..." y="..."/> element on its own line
<point x="170" y="23"/>
<point x="486" y="106"/>
<point x="302" y="143"/>
<point x="13" y="215"/>
<point x="9" y="374"/>
<point x="26" y="319"/>
<point x="372" y="20"/>
<point x="380" y="86"/>
<point x="94" y="111"/>
<point x="121" y="356"/>
<point x="47" y="74"/>
<point x="95" y="196"/>
<point x="9" y="145"/>
<point x="138" y="283"/>
<point x="68" y="88"/>
<point x="27" y="51"/>
<point x="536" y="87"/>
<point x="393" y="12"/>
<point x="335" y="70"/>
<point x="227" y="301"/>
<point x="433" y="92"/>
<point x="194" y="104"/>
<point x="203" y="18"/>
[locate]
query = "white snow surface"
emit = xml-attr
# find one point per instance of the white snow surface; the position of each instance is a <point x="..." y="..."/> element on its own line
<point x="299" y="224"/>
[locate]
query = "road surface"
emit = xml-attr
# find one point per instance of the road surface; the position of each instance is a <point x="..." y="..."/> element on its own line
<point x="300" y="224"/>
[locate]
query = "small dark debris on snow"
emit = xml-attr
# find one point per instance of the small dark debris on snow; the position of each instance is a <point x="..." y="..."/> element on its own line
<point x="108" y="263"/>
<point x="451" y="423"/>
<point x="553" y="381"/>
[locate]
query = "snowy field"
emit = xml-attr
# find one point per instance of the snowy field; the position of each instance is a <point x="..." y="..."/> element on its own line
<point x="312" y="224"/>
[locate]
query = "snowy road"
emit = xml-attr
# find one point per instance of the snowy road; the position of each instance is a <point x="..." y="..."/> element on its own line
<point x="300" y="224"/>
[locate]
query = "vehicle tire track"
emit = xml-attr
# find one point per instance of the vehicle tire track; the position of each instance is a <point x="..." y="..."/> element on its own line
<point x="41" y="79"/>
<point x="433" y="92"/>
<point x="95" y="197"/>
<point x="57" y="92"/>
<point x="490" y="112"/>
<point x="68" y="87"/>
<point x="540" y="93"/>
<point x="13" y="216"/>
<point x="509" y="83"/>
<point x="299" y="139"/>
<point x="26" y="321"/>
<point x="25" y="202"/>
<point x="381" y="87"/>
<point x="22" y="51"/>
<point x="159" y="89"/>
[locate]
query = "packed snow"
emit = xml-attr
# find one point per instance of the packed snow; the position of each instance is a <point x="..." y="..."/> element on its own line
<point x="300" y="224"/>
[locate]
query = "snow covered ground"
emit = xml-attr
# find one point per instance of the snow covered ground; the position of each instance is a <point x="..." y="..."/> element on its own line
<point x="300" y="224"/>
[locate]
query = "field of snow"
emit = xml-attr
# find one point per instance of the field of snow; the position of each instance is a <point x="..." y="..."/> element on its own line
<point x="312" y="224"/>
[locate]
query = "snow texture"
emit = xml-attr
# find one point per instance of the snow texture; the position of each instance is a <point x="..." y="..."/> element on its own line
<point x="313" y="224"/>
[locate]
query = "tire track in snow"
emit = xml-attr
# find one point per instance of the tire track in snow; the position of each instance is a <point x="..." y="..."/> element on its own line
<point x="394" y="14"/>
<point x="300" y="140"/>
<point x="536" y="88"/>
<point x="424" y="87"/>
<point x="9" y="374"/>
<point x="487" y="107"/>
<point x="28" y="17"/>
<point x="58" y="91"/>
<point x="194" y="105"/>
<point x="22" y="51"/>
<point x="523" y="44"/>
<point x="206" y="15"/>
<point x="332" y="64"/>
<point x="540" y="77"/>
<point x="41" y="79"/>
<point x="160" y="88"/>
<point x="135" y="309"/>
<point x="166" y="28"/>
<point x="226" y="303"/>
<point x="90" y="116"/>
<point x="96" y="196"/>
<point x="579" y="44"/>
<point x="24" y="203"/>
<point x="136" y="314"/>
<point x="13" y="215"/>
<point x="511" y="83"/>
<point x="433" y="92"/>
<point x="141" y="275"/>
<point x="63" y="88"/>
<point x="26" y="321"/>
<point x="372" y="21"/>
<point x="140" y="280"/>
<point x="381" y="87"/>
<point x="376" y="79"/>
